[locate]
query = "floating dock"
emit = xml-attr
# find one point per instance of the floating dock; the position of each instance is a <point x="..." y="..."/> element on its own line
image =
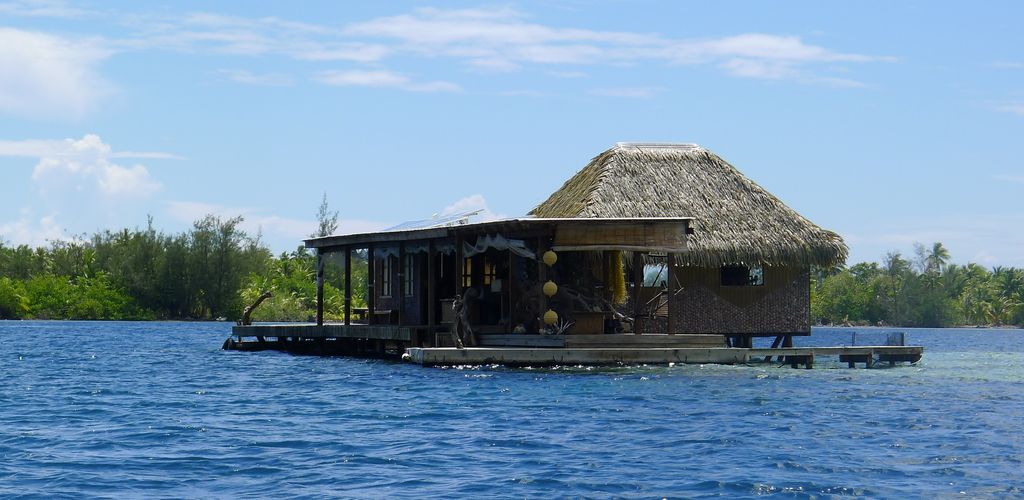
<point x="793" y="356"/>
<point x="545" y="350"/>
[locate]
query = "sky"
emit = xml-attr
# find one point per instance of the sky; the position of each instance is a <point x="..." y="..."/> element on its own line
<point x="888" y="122"/>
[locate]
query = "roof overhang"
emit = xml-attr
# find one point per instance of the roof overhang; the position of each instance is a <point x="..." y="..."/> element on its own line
<point x="665" y="234"/>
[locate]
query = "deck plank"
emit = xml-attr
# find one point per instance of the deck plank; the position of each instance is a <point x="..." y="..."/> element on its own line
<point x="527" y="356"/>
<point x="312" y="331"/>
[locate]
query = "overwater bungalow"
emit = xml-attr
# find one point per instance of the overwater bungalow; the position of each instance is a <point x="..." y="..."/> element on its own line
<point x="651" y="252"/>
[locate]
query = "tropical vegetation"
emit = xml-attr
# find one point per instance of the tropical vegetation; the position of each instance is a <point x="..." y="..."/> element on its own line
<point x="925" y="290"/>
<point x="214" y="269"/>
<point x="211" y="271"/>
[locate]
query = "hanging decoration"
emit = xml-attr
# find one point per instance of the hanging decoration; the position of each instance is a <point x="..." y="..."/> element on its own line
<point x="550" y="257"/>
<point x="615" y="277"/>
<point x="550" y="288"/>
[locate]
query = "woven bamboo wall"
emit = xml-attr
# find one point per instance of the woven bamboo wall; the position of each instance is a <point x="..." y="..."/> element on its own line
<point x="781" y="305"/>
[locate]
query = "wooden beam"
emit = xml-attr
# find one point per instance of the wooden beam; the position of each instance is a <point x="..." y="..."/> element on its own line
<point x="371" y="290"/>
<point x="402" y="272"/>
<point x="319" y="288"/>
<point x="458" y="266"/>
<point x="431" y="289"/>
<point x="508" y="286"/>
<point x="638" y="283"/>
<point x="348" y="285"/>
<point x="671" y="291"/>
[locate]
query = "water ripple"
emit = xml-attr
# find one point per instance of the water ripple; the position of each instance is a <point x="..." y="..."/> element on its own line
<point x="156" y="409"/>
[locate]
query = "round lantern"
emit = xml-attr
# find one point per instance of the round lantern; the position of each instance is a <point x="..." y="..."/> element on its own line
<point x="550" y="288"/>
<point x="550" y="317"/>
<point x="550" y="257"/>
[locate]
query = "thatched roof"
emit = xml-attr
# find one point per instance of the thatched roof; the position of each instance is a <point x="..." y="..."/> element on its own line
<point x="737" y="221"/>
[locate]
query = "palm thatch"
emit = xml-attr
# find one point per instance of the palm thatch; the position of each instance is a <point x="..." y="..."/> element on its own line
<point x="737" y="221"/>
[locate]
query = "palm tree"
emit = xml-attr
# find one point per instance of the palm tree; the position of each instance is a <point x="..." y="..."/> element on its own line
<point x="896" y="270"/>
<point x="937" y="258"/>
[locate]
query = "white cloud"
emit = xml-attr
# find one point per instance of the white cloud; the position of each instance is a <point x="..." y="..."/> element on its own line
<point x="41" y="8"/>
<point x="568" y="74"/>
<point x="43" y="75"/>
<point x="627" y="92"/>
<point x="496" y="40"/>
<point x="263" y="79"/>
<point x="1016" y="108"/>
<point x="32" y="231"/>
<point x="503" y="38"/>
<point x="287" y="230"/>
<point x="84" y="165"/>
<point x="381" y="78"/>
<point x="523" y="93"/>
<point x="472" y="203"/>
<point x="89" y="144"/>
<point x="968" y="237"/>
<point x="1008" y="65"/>
<point x="1009" y="178"/>
<point x="216" y="33"/>
<point x="497" y="65"/>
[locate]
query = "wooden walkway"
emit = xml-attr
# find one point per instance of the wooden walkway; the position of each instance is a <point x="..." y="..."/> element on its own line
<point x="603" y="341"/>
<point x="544" y="350"/>
<point x="524" y="356"/>
<point x="312" y="331"/>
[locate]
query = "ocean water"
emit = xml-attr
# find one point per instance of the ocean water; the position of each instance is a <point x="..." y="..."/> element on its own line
<point x="158" y="410"/>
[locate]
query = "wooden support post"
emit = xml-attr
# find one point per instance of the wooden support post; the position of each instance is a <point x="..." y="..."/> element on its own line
<point x="638" y="284"/>
<point x="319" y="288"/>
<point x="459" y="266"/>
<point x="508" y="294"/>
<point x="348" y="285"/>
<point x="402" y="272"/>
<point x="671" y="291"/>
<point x="775" y="345"/>
<point x="371" y="290"/>
<point x="431" y="290"/>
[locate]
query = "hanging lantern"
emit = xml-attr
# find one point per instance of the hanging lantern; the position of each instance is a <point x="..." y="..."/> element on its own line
<point x="550" y="288"/>
<point x="550" y="257"/>
<point x="550" y="317"/>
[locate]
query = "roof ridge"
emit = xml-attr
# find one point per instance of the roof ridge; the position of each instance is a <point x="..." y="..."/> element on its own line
<point x="666" y="145"/>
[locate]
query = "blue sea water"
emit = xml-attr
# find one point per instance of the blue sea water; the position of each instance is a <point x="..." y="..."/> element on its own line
<point x="157" y="409"/>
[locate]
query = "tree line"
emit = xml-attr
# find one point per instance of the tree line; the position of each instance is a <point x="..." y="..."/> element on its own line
<point x="924" y="290"/>
<point x="214" y="269"/>
<point x="210" y="271"/>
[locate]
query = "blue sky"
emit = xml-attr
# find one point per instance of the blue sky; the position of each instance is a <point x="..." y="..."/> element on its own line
<point x="890" y="123"/>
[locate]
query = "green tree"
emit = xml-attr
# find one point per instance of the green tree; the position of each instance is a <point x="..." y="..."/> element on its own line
<point x="327" y="221"/>
<point x="14" y="302"/>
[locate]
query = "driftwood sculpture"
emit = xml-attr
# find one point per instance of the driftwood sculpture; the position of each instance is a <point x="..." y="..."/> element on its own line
<point x="462" y="331"/>
<point x="247" y="312"/>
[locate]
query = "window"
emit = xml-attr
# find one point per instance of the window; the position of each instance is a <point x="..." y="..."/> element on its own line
<point x="489" y="272"/>
<point x="385" y="277"/>
<point x="467" y="272"/>
<point x="742" y="276"/>
<point x="656" y="275"/>
<point x="408" y="274"/>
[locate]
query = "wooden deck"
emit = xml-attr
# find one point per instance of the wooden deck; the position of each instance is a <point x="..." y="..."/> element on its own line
<point x="328" y="331"/>
<point x="525" y="356"/>
<point x="542" y="350"/>
<point x="599" y="341"/>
